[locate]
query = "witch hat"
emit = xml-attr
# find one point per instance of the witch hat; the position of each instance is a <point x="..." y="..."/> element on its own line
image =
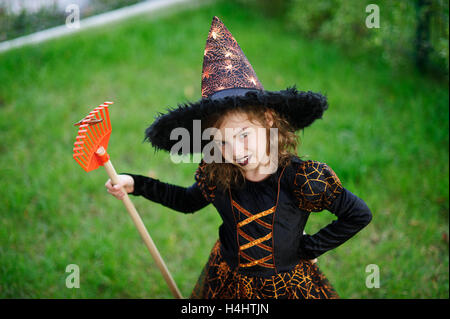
<point x="229" y="81"/>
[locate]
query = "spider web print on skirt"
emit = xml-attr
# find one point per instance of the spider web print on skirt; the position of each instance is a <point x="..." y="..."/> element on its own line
<point x="217" y="281"/>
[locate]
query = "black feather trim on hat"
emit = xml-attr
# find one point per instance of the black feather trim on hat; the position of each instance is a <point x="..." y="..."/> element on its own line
<point x="300" y="108"/>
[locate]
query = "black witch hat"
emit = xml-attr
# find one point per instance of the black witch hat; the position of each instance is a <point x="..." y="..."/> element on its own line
<point x="229" y="81"/>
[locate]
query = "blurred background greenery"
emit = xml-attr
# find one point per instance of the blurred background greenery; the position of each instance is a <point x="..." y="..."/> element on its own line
<point x="385" y="135"/>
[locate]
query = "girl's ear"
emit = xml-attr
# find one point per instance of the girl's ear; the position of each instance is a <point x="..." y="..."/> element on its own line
<point x="269" y="118"/>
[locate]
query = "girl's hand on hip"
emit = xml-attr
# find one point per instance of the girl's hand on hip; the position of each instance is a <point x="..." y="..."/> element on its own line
<point x="126" y="184"/>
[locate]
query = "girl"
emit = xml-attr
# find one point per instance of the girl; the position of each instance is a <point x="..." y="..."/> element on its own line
<point x="262" y="190"/>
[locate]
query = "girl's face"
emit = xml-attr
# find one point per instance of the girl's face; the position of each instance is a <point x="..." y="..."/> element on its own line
<point x="243" y="142"/>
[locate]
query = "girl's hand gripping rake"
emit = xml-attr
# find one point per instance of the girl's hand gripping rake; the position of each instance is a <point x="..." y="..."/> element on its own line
<point x="90" y="152"/>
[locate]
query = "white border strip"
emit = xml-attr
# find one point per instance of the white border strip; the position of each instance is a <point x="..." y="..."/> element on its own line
<point x="94" y="21"/>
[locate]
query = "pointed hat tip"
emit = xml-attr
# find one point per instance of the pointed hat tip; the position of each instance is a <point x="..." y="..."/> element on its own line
<point x="216" y="20"/>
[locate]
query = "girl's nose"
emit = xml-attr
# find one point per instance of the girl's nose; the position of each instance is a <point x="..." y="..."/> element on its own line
<point x="239" y="150"/>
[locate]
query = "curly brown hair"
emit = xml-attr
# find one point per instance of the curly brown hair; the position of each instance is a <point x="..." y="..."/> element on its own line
<point x="226" y="174"/>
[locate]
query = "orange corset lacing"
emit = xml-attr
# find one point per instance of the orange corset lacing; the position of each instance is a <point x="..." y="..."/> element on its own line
<point x="244" y="260"/>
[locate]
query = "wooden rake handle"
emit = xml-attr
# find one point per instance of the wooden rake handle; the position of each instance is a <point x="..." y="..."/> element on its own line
<point x="142" y="230"/>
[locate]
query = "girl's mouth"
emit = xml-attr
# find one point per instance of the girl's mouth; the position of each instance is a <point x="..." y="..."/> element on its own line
<point x="244" y="161"/>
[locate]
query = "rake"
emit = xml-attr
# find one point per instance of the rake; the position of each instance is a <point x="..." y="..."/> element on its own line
<point x="90" y="152"/>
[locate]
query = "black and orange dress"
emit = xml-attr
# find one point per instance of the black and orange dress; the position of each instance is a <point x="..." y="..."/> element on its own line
<point x="262" y="251"/>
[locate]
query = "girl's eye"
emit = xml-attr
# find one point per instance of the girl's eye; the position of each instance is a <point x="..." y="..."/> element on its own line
<point x="243" y="135"/>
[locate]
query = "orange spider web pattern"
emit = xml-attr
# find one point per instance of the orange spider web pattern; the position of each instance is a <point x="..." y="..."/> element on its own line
<point x="218" y="281"/>
<point x="225" y="65"/>
<point x="316" y="186"/>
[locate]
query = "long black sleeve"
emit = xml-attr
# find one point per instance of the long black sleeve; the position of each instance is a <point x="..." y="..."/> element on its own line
<point x="352" y="215"/>
<point x="181" y="199"/>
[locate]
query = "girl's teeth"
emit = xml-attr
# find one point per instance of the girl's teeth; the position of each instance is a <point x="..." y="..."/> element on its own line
<point x="244" y="161"/>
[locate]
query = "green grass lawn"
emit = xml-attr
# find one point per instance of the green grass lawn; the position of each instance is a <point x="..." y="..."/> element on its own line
<point x="385" y="135"/>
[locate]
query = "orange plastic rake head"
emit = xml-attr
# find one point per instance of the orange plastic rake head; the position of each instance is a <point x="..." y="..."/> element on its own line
<point x="93" y="134"/>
